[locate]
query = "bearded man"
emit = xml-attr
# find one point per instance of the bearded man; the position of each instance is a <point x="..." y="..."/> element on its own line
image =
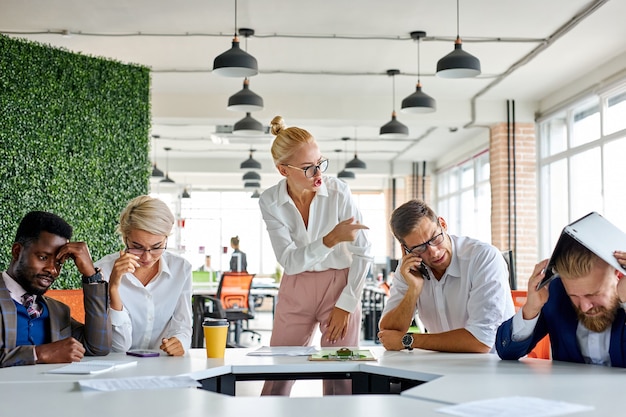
<point x="583" y="311"/>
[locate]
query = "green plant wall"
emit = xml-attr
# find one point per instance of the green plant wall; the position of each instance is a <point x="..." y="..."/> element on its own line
<point x="74" y="140"/>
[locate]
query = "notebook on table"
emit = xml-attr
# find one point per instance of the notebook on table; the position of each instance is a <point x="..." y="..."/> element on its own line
<point x="596" y="234"/>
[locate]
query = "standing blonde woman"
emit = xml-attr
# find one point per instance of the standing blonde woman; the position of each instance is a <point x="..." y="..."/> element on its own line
<point x="315" y="230"/>
<point x="149" y="287"/>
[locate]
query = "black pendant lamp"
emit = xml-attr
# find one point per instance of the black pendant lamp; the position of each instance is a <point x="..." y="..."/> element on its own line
<point x="250" y="163"/>
<point x="251" y="176"/>
<point x="245" y="100"/>
<point x="235" y="62"/>
<point x="156" y="172"/>
<point x="252" y="184"/>
<point x="345" y="174"/>
<point x="248" y="126"/>
<point x="167" y="178"/>
<point x="355" y="163"/>
<point x="458" y="63"/>
<point x="255" y="194"/>
<point x="186" y="193"/>
<point x="394" y="129"/>
<point x="418" y="102"/>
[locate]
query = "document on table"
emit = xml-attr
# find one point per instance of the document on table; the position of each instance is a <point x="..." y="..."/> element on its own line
<point x="514" y="407"/>
<point x="284" y="351"/>
<point x="95" y="366"/>
<point x="140" y="382"/>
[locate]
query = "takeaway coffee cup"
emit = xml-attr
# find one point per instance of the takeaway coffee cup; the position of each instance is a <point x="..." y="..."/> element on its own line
<point x="215" y="334"/>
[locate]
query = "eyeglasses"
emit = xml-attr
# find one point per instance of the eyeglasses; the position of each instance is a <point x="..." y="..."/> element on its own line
<point x="421" y="248"/>
<point x="141" y="251"/>
<point x="311" y="170"/>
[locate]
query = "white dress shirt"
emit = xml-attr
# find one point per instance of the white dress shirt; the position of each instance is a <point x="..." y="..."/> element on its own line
<point x="473" y="293"/>
<point x="298" y="248"/>
<point x="159" y="310"/>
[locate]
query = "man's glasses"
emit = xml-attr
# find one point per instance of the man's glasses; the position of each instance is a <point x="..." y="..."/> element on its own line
<point x="311" y="170"/>
<point x="141" y="251"/>
<point x="421" y="248"/>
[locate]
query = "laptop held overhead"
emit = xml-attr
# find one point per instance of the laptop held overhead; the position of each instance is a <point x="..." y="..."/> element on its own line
<point x="596" y="234"/>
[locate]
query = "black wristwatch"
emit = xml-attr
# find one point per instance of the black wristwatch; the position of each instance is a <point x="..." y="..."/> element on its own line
<point x="95" y="278"/>
<point x="407" y="341"/>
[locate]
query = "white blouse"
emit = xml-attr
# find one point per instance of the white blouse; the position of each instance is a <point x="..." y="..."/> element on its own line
<point x="161" y="309"/>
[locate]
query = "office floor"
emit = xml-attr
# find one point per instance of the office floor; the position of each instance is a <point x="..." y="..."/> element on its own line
<point x="263" y="324"/>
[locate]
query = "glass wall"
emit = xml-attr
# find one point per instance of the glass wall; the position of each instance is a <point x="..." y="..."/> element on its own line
<point x="582" y="148"/>
<point x="208" y="220"/>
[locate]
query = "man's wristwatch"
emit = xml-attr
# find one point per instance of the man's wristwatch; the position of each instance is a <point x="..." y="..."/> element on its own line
<point x="95" y="278"/>
<point x="407" y="341"/>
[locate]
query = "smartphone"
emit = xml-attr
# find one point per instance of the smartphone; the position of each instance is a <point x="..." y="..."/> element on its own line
<point x="143" y="353"/>
<point x="421" y="268"/>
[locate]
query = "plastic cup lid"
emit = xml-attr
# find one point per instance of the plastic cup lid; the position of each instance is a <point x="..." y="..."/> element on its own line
<point x="215" y="322"/>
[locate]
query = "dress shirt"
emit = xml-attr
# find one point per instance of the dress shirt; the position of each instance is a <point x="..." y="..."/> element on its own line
<point x="16" y="290"/>
<point x="298" y="248"/>
<point x="594" y="346"/>
<point x="159" y="310"/>
<point x="473" y="293"/>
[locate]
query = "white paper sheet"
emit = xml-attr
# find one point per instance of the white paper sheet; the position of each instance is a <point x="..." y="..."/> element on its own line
<point x="141" y="382"/>
<point x="284" y="351"/>
<point x="95" y="366"/>
<point x="514" y="407"/>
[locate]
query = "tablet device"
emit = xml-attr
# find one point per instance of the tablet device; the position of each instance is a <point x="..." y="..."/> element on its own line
<point x="596" y="234"/>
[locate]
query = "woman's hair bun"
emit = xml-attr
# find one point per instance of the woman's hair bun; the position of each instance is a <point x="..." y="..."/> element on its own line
<point x="277" y="125"/>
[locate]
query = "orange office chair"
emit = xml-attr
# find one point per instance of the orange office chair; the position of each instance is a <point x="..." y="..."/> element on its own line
<point x="542" y="348"/>
<point x="233" y="303"/>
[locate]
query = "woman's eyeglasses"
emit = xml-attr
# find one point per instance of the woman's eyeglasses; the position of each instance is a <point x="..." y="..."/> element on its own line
<point x="141" y="251"/>
<point x="311" y="170"/>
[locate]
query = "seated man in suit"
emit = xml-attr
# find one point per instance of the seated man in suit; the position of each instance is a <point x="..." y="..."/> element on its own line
<point x="38" y="329"/>
<point x="582" y="310"/>
<point x="458" y="285"/>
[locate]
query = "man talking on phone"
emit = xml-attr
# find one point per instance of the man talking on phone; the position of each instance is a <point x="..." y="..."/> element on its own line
<point x="458" y="285"/>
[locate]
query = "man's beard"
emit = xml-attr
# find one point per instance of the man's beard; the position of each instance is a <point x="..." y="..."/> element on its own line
<point x="599" y="322"/>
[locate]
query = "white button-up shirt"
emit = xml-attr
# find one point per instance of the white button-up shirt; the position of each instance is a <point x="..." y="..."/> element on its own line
<point x="299" y="248"/>
<point x="159" y="310"/>
<point x="474" y="292"/>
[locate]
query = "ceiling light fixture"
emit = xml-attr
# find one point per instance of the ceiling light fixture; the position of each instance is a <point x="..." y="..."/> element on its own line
<point x="156" y="172"/>
<point x="250" y="163"/>
<point x="418" y="102"/>
<point x="252" y="184"/>
<point x="255" y="194"/>
<point x="345" y="174"/>
<point x="393" y="129"/>
<point x="355" y="163"/>
<point x="248" y="126"/>
<point x="185" y="193"/>
<point x="245" y="100"/>
<point x="458" y="63"/>
<point x="235" y="62"/>
<point x="251" y="176"/>
<point x="167" y="178"/>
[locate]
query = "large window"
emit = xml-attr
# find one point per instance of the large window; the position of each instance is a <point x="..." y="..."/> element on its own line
<point x="464" y="197"/>
<point x="581" y="161"/>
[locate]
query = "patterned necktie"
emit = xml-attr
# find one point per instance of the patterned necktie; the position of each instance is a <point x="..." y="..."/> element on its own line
<point x="29" y="300"/>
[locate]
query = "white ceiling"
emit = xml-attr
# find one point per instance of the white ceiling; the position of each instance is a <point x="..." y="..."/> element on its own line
<point x="323" y="67"/>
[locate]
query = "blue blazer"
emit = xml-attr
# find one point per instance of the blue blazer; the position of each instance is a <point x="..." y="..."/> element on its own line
<point x="558" y="319"/>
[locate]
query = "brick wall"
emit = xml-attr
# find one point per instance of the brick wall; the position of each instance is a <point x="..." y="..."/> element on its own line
<point x="522" y="239"/>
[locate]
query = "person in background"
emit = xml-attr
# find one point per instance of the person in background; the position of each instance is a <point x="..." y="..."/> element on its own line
<point x="582" y="310"/>
<point x="459" y="287"/>
<point x="150" y="288"/>
<point x="317" y="236"/>
<point x="238" y="261"/>
<point x="39" y="329"/>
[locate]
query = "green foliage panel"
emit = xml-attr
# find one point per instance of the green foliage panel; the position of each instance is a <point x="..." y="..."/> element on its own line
<point x="74" y="140"/>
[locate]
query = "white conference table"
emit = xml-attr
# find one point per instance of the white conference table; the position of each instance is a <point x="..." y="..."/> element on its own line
<point x="445" y="379"/>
